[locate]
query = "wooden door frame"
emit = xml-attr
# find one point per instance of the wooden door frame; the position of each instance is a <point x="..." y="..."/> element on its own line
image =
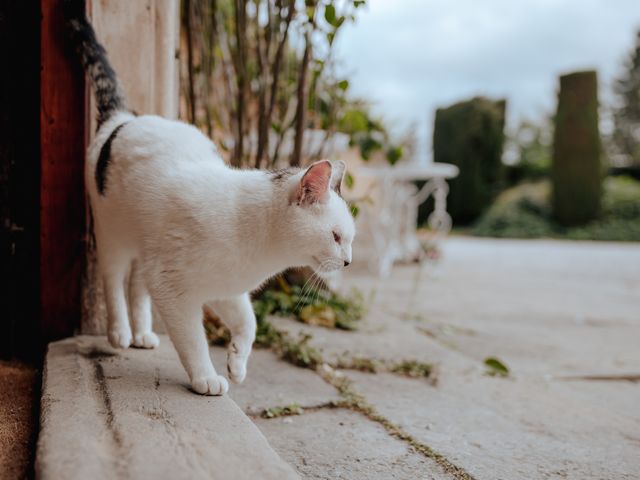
<point x="63" y="134"/>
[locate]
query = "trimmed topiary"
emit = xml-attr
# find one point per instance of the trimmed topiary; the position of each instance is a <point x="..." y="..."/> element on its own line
<point x="576" y="170"/>
<point x="470" y="135"/>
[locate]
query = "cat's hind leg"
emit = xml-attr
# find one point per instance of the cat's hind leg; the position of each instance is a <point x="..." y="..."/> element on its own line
<point x="140" y="309"/>
<point x="237" y="314"/>
<point x="114" y="270"/>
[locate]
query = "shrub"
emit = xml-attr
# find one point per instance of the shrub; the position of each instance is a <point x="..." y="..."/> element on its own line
<point x="525" y="212"/>
<point x="519" y="212"/>
<point x="471" y="135"/>
<point x="576" y="170"/>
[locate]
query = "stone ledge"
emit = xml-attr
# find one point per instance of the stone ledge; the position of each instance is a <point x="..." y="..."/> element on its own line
<point x="129" y="413"/>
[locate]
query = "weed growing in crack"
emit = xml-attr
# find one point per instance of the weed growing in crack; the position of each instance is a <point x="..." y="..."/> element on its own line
<point x="406" y="368"/>
<point x="360" y="364"/>
<point x="299" y="353"/>
<point x="285" y="411"/>
<point x="356" y="402"/>
<point x="413" y="369"/>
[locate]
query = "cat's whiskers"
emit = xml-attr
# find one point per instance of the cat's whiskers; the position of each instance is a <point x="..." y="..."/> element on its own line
<point x="305" y="290"/>
<point x="309" y="286"/>
<point x="325" y="267"/>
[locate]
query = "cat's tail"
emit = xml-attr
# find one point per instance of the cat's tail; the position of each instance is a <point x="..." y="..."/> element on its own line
<point x="108" y="92"/>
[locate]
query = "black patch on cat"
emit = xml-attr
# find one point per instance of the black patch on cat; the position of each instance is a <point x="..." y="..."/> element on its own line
<point x="104" y="159"/>
<point x="279" y="176"/>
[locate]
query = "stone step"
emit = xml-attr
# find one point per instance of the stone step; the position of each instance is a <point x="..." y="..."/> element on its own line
<point x="110" y="413"/>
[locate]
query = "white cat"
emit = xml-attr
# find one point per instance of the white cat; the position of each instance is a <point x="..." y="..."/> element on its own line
<point x="187" y="230"/>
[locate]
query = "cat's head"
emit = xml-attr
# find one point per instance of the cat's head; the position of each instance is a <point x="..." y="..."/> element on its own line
<point x="320" y="227"/>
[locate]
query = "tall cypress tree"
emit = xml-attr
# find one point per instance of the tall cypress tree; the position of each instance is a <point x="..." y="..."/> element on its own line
<point x="576" y="168"/>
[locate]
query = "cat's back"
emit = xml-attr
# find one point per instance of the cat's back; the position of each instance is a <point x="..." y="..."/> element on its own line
<point x="150" y="137"/>
<point x="149" y="152"/>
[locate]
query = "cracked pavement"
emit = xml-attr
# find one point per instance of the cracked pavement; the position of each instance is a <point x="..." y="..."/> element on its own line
<point x="556" y="313"/>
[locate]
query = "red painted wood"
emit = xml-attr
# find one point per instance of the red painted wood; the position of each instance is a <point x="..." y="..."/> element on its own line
<point x="62" y="200"/>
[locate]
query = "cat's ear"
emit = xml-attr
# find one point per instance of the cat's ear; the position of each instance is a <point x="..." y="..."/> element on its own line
<point x="314" y="184"/>
<point x="337" y="175"/>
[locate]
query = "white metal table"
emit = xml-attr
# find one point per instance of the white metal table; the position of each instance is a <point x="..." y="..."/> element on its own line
<point x="391" y="222"/>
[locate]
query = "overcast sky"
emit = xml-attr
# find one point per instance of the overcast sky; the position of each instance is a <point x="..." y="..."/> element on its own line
<point x="409" y="57"/>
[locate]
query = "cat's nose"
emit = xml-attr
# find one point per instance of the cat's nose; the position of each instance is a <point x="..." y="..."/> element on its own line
<point x="346" y="264"/>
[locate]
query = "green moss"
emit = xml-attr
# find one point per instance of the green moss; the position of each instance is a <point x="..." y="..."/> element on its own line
<point x="412" y="368"/>
<point x="299" y="352"/>
<point x="360" y="364"/>
<point x="285" y="411"/>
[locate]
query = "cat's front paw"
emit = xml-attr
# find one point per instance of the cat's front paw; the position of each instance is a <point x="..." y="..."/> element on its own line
<point x="146" y="340"/>
<point x="236" y="367"/>
<point x="120" y="338"/>
<point x="236" y="364"/>
<point x="213" y="385"/>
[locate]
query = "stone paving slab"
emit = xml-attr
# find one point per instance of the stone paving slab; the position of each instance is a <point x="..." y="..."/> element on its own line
<point x="509" y="428"/>
<point x="341" y="444"/>
<point x="129" y="414"/>
<point x="549" y="310"/>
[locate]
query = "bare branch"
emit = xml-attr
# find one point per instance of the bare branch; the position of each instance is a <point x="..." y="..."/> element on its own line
<point x="190" y="79"/>
<point x="301" y="107"/>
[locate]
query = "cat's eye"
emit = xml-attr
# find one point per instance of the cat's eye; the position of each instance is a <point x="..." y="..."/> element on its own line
<point x="336" y="237"/>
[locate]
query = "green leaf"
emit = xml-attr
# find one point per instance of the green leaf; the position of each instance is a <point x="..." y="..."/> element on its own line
<point x="330" y="15"/>
<point x="495" y="368"/>
<point x="358" y="3"/>
<point x="330" y="37"/>
<point x="276" y="128"/>
<point x="343" y="85"/>
<point x="353" y="121"/>
<point x="355" y="210"/>
<point x="394" y="154"/>
<point x="348" y="180"/>
<point x="310" y="12"/>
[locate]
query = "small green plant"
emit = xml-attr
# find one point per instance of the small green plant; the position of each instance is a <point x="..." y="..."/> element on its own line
<point x="285" y="411"/>
<point x="360" y="364"/>
<point x="311" y="305"/>
<point x="216" y="334"/>
<point x="266" y="334"/>
<point x="299" y="353"/>
<point x="412" y="368"/>
<point x="495" y="367"/>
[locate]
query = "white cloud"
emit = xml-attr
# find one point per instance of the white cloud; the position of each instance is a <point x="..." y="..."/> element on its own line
<point x="411" y="56"/>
